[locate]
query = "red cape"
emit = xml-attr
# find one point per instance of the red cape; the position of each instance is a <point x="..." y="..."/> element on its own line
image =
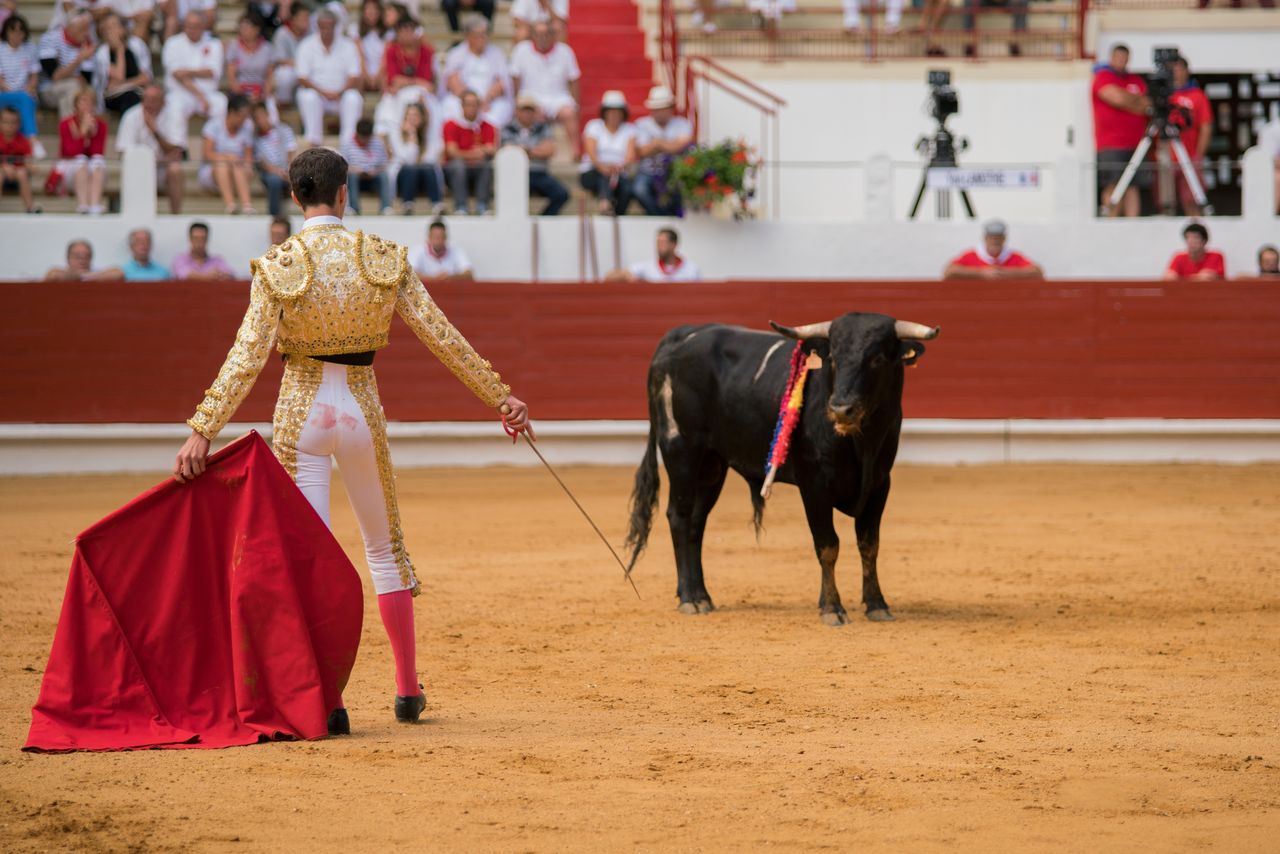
<point x="208" y="614"/>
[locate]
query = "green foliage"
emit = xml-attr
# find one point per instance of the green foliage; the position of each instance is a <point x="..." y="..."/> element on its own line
<point x="706" y="174"/>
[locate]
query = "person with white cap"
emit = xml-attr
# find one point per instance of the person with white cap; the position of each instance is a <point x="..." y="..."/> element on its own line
<point x="660" y="136"/>
<point x="609" y="158"/>
<point x="991" y="259"/>
<point x="548" y="71"/>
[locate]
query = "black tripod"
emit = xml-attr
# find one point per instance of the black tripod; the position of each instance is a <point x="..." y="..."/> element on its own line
<point x="1160" y="128"/>
<point x="941" y="151"/>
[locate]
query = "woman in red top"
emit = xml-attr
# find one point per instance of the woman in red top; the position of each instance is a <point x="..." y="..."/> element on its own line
<point x="84" y="139"/>
<point x="407" y="77"/>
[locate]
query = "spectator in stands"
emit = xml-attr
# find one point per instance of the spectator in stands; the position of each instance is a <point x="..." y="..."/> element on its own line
<point x="176" y="12"/>
<point x="249" y="62"/>
<point x="122" y="65"/>
<point x="147" y="126"/>
<point x="659" y="137"/>
<point x="667" y="266"/>
<point x="19" y="73"/>
<point x="548" y="70"/>
<point x="476" y="65"/>
<point x="80" y="266"/>
<point x="273" y="148"/>
<point x="268" y="15"/>
<point x="451" y="8"/>
<point x="704" y="15"/>
<point x="1268" y="262"/>
<point x="367" y="163"/>
<point x="1194" y="118"/>
<point x="932" y="19"/>
<point x="415" y="160"/>
<point x="609" y="145"/>
<point x="228" y="155"/>
<point x="853" y="16"/>
<point x="1120" y="106"/>
<point x="193" y="65"/>
<point x="198" y="263"/>
<point x="469" y="145"/>
<point x="406" y="78"/>
<point x="538" y="141"/>
<point x="280" y="230"/>
<point x="526" y="13"/>
<point x="991" y="259"/>
<point x="328" y="66"/>
<point x="1197" y="262"/>
<point x="66" y="58"/>
<point x="1018" y="8"/>
<point x="137" y="15"/>
<point x="15" y="149"/>
<point x="83" y="136"/>
<point x="284" y="52"/>
<point x="371" y="34"/>
<point x="437" y="260"/>
<point x="140" y="267"/>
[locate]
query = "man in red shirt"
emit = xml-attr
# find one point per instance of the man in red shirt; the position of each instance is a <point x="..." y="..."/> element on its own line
<point x="1196" y="262"/>
<point x="469" y="146"/>
<point x="1120" y="106"/>
<point x="1193" y="117"/>
<point x="991" y="260"/>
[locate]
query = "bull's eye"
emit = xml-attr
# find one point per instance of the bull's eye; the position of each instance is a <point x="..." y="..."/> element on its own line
<point x="878" y="360"/>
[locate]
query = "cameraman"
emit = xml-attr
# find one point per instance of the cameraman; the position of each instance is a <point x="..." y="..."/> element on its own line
<point x="1191" y="114"/>
<point x="1120" y="108"/>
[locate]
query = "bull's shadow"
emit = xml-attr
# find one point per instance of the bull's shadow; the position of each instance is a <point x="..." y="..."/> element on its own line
<point x="714" y="395"/>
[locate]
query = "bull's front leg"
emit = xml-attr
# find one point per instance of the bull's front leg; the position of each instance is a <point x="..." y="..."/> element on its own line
<point x="827" y="546"/>
<point x="867" y="526"/>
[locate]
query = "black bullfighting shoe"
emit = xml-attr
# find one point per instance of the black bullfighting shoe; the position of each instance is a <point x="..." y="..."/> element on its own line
<point x="409" y="708"/>
<point x="339" y="723"/>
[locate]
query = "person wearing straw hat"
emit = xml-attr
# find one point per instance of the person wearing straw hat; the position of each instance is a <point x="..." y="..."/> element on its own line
<point x="660" y="136"/>
<point x="609" y="154"/>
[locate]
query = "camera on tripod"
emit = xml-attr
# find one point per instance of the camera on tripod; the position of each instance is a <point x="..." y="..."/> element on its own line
<point x="944" y="102"/>
<point x="1160" y="84"/>
<point x="939" y="150"/>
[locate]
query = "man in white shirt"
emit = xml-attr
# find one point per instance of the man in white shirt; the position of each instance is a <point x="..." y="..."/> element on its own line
<point x="329" y="70"/>
<point x="437" y="260"/>
<point x="284" y="51"/>
<point x="548" y="70"/>
<point x="667" y="267"/>
<point x="480" y="67"/>
<point x="147" y="125"/>
<point x="193" y="63"/>
<point x="526" y="13"/>
<point x="659" y="136"/>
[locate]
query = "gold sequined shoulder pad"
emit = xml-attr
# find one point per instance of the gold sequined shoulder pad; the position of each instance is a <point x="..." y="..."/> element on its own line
<point x="285" y="269"/>
<point x="382" y="262"/>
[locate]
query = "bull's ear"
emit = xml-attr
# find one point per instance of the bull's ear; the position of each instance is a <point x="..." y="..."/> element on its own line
<point x="910" y="352"/>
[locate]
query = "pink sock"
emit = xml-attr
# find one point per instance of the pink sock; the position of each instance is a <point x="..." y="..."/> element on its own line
<point x="397" y="617"/>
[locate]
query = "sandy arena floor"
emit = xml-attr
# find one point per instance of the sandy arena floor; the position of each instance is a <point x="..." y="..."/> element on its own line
<point x="1085" y="659"/>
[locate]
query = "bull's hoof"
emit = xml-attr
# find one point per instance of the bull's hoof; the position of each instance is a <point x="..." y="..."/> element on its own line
<point x="702" y="606"/>
<point x="835" y="618"/>
<point x="880" y="615"/>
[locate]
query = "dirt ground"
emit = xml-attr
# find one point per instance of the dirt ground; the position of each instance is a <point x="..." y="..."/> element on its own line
<point x="1085" y="659"/>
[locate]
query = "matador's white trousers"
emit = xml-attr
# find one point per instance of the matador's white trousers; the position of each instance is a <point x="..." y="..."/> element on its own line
<point x="332" y="412"/>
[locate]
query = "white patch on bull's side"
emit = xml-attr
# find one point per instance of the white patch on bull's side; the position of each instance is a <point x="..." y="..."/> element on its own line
<point x="673" y="429"/>
<point x="765" y="361"/>
<point x="690" y="336"/>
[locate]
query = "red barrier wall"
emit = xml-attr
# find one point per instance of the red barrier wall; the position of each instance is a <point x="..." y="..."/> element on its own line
<point x="144" y="352"/>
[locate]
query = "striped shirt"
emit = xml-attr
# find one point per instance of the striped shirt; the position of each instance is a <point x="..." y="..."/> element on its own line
<point x="273" y="147"/>
<point x="365" y="158"/>
<point x="54" y="45"/>
<point x="17" y="66"/>
<point x="237" y="144"/>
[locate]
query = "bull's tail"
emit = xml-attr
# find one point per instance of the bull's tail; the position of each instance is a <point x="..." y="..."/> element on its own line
<point x="644" y="497"/>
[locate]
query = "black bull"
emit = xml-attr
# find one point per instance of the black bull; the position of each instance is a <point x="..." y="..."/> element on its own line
<point x="714" y="395"/>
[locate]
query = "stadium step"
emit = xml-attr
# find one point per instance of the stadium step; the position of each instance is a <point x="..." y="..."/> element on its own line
<point x="610" y="44"/>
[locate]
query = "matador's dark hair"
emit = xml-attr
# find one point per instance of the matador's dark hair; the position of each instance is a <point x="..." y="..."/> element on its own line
<point x="316" y="174"/>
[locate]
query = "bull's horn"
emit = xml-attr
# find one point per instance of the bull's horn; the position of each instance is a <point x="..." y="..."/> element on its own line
<point x="811" y="330"/>
<point x="909" y="331"/>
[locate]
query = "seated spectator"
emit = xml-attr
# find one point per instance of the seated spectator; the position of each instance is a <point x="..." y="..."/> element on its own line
<point x="1018" y="8"/>
<point x="198" y="263"/>
<point x="122" y="65"/>
<point x="284" y="52"/>
<point x="19" y="72"/>
<point x="367" y="163"/>
<point x="477" y="66"/>
<point x="15" y="149"/>
<point x="140" y="267"/>
<point x="273" y="148"/>
<point x="415" y="160"/>
<point x="249" y="60"/>
<point x="193" y="65"/>
<point x="991" y="259"/>
<point x="666" y="267"/>
<point x="138" y="16"/>
<point x="451" y="8"/>
<point x="1193" y="116"/>
<point x="526" y="13"/>
<point x="437" y="260"/>
<point x="659" y="137"/>
<point x="538" y="141"/>
<point x="228" y="155"/>
<point x="371" y="34"/>
<point x="80" y="266"/>
<point x="1268" y="262"/>
<point x="268" y="16"/>
<point x="406" y="77"/>
<point x="176" y="12"/>
<point x="147" y="126"/>
<point x="469" y="145"/>
<point x="853" y="16"/>
<point x="280" y="230"/>
<point x="328" y="66"/>
<point x="1197" y="262"/>
<point x="83" y="136"/>
<point x="548" y="70"/>
<point x="609" y="145"/>
<point x="66" y="59"/>
<point x="1120" y="106"/>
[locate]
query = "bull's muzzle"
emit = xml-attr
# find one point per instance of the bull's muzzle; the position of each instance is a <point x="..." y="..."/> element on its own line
<point x="847" y="418"/>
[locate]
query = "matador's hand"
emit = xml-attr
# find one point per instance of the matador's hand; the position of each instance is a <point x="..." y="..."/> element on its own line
<point x="515" y="414"/>
<point x="191" y="459"/>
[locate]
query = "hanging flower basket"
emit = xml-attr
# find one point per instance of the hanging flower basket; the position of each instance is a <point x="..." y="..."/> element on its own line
<point x="708" y="176"/>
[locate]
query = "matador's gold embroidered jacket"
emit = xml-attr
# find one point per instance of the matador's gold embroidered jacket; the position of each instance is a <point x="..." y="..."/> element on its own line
<point x="327" y="291"/>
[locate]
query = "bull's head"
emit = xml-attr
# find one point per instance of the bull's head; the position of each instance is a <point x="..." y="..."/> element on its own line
<point x="867" y="353"/>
